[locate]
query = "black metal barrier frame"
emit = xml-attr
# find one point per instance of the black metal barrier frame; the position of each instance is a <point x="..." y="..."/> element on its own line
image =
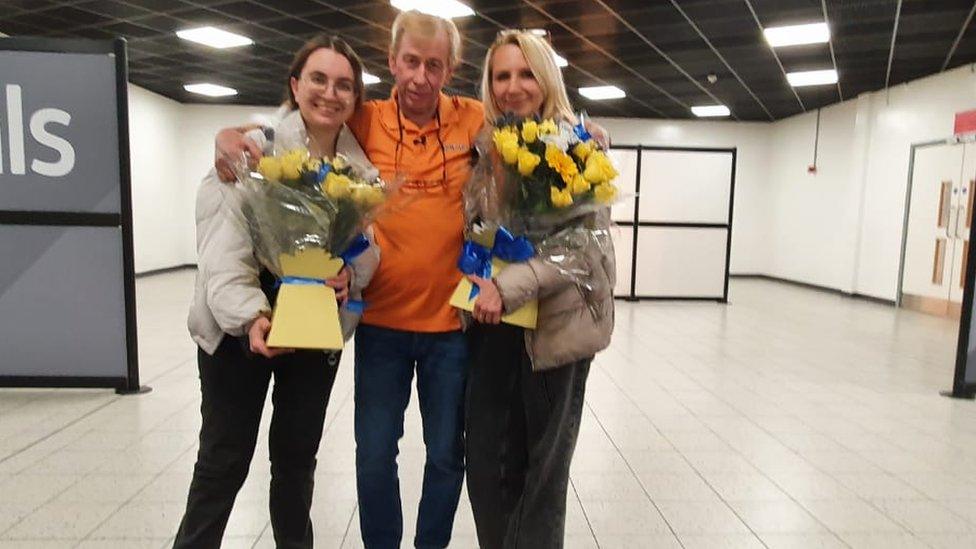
<point x="130" y="383"/>
<point x="636" y="224"/>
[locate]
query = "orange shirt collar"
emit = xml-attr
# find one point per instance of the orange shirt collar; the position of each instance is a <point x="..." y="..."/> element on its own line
<point x="445" y="105"/>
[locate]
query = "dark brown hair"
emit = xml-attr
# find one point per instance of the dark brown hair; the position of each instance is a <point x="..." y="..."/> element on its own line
<point x="335" y="44"/>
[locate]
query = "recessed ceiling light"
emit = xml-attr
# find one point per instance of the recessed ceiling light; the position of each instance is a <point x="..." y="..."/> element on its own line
<point x="602" y="92"/>
<point x="214" y="37"/>
<point x="447" y="9"/>
<point x="370" y="79"/>
<point x="539" y="32"/>
<point x="794" y="35"/>
<point x="560" y="60"/>
<point x="710" y="110"/>
<point x="210" y="90"/>
<point x="812" y="78"/>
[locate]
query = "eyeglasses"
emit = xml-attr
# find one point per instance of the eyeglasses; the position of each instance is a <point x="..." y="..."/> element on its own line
<point x="341" y="87"/>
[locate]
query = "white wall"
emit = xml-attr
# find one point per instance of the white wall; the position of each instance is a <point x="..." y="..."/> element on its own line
<point x="749" y="222"/>
<point x="171" y="149"/>
<point x="842" y="228"/>
<point x="159" y="189"/>
<point x="915" y="112"/>
<point x="812" y="217"/>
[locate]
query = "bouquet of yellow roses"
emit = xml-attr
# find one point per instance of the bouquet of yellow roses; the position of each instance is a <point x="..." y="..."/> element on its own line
<point x="552" y="169"/>
<point x="306" y="217"/>
<point x="536" y="192"/>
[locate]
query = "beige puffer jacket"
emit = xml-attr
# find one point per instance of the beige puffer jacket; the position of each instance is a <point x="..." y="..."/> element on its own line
<point x="567" y="330"/>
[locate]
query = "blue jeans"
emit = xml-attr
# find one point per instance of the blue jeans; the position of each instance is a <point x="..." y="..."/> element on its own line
<point x="385" y="362"/>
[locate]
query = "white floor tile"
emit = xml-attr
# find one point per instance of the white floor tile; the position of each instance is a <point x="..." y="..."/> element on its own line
<point x="789" y="418"/>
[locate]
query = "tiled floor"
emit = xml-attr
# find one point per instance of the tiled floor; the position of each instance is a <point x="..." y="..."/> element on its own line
<point x="790" y="418"/>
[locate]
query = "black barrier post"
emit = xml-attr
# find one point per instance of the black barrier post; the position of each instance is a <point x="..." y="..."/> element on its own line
<point x="131" y="385"/>
<point x="960" y="387"/>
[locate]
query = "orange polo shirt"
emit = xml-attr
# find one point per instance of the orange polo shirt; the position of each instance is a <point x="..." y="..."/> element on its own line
<point x="421" y="234"/>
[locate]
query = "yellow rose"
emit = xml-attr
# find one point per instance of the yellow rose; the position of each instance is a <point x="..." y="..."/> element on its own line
<point x="599" y="169"/>
<point x="562" y="163"/>
<point x="527" y="161"/>
<point x="605" y="193"/>
<point x="530" y="130"/>
<point x="270" y="168"/>
<point x="560" y="198"/>
<point x="291" y="168"/>
<point x="337" y="186"/>
<point x="579" y="185"/>
<point x="503" y="136"/>
<point x="367" y="195"/>
<point x="339" y="162"/>
<point x="510" y="151"/>
<point x="312" y="165"/>
<point x="583" y="149"/>
<point x="374" y="196"/>
<point x="548" y="127"/>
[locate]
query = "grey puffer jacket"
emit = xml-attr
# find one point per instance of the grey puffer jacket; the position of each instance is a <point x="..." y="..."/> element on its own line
<point x="570" y="326"/>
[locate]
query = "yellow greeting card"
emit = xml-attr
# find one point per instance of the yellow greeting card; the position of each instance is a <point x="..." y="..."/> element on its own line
<point x="525" y="316"/>
<point x="306" y="316"/>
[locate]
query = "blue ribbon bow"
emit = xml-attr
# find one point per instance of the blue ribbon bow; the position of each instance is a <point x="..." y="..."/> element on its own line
<point x="324" y="171"/>
<point x="476" y="259"/>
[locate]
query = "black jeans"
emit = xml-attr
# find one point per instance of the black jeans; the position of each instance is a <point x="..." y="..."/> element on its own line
<point x="521" y="429"/>
<point x="234" y="384"/>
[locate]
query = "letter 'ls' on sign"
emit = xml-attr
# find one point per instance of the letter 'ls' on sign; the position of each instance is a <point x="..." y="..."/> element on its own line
<point x="41" y="123"/>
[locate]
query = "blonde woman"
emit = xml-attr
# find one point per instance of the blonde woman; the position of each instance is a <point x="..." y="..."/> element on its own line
<point x="525" y="387"/>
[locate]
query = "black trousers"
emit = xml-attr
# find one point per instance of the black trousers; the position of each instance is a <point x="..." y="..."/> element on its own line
<point x="521" y="429"/>
<point x="234" y="384"/>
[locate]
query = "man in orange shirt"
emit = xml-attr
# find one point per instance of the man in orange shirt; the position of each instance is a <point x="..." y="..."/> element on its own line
<point x="423" y="139"/>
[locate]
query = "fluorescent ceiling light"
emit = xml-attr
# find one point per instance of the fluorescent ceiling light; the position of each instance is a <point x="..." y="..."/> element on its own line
<point x="448" y="9"/>
<point x="710" y="110"/>
<point x="560" y="60"/>
<point x="370" y="79"/>
<point x="598" y="93"/>
<point x="794" y="35"/>
<point x="214" y="37"/>
<point x="812" y="78"/>
<point x="539" y="32"/>
<point x="210" y="90"/>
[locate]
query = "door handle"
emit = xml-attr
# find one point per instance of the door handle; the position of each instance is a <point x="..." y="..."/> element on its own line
<point x="950" y="226"/>
<point x="955" y="226"/>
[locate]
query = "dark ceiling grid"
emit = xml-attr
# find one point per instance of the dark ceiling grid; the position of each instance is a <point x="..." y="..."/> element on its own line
<point x="384" y="27"/>
<point x="830" y="43"/>
<point x="355" y="40"/>
<point x="891" y="52"/>
<point x="955" y="43"/>
<point x="190" y="59"/>
<point x="697" y="37"/>
<point x="775" y="55"/>
<point x="718" y="54"/>
<point x="805" y="57"/>
<point x="479" y="48"/>
<point x="607" y="54"/>
<point x="518" y="15"/>
<point x="664" y="55"/>
<point x="587" y="74"/>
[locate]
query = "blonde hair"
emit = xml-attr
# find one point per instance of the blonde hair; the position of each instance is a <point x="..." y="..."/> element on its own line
<point x="542" y="61"/>
<point x="426" y="26"/>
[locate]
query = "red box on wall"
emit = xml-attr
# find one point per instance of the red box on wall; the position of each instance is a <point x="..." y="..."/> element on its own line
<point x="965" y="122"/>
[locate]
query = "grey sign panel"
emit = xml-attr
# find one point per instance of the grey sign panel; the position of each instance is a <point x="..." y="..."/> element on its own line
<point x="62" y="302"/>
<point x="59" y="142"/>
